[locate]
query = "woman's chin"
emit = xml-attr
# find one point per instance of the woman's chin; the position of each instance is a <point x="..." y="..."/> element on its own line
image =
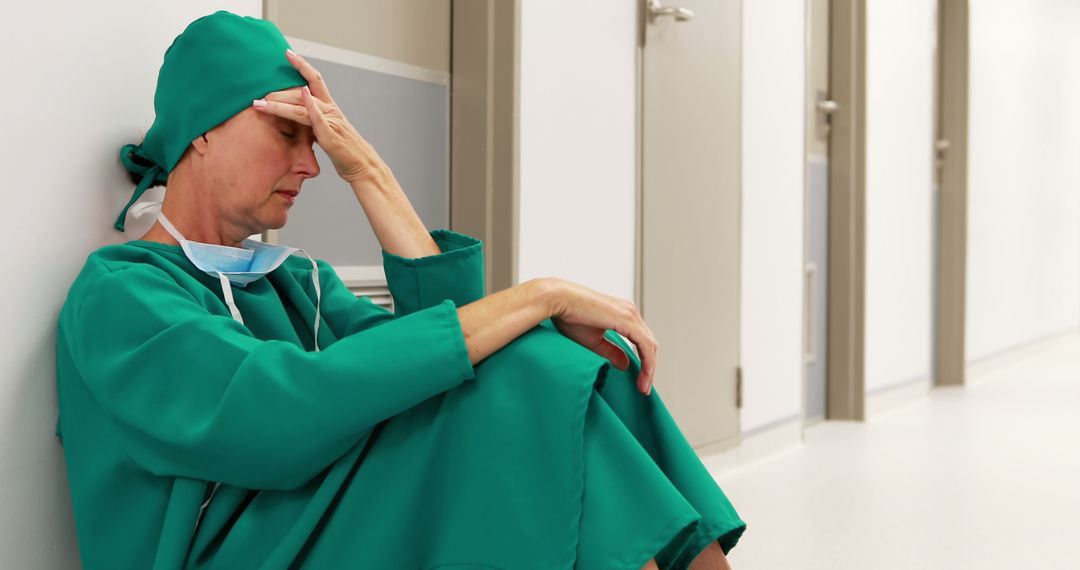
<point x="278" y="222"/>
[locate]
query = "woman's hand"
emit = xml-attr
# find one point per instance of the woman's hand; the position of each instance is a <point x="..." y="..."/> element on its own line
<point x="354" y="158"/>
<point x="583" y="315"/>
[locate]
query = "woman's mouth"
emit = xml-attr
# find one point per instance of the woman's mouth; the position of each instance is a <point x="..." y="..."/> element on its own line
<point x="289" y="195"/>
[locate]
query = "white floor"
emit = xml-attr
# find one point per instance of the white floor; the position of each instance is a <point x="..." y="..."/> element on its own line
<point x="981" y="477"/>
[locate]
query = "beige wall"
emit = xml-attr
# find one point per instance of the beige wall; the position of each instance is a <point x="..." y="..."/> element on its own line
<point x="408" y="31"/>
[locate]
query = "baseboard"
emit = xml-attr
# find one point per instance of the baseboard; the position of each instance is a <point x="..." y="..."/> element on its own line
<point x="882" y="401"/>
<point x="757" y="445"/>
<point x="997" y="362"/>
<point x="786" y="435"/>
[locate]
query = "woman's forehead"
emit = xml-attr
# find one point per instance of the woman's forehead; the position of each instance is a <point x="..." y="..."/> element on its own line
<point x="283" y="123"/>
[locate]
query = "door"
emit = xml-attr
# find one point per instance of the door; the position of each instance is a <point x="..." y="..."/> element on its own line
<point x="820" y="108"/>
<point x="689" y="209"/>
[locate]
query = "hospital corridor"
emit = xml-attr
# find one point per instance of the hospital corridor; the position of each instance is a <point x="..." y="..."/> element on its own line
<point x="979" y="477"/>
<point x="540" y="285"/>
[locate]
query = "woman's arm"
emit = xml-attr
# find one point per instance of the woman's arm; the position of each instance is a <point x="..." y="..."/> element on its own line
<point x="193" y="393"/>
<point x="490" y="323"/>
<point x="590" y="318"/>
<point x="397" y="227"/>
<point x="493" y="321"/>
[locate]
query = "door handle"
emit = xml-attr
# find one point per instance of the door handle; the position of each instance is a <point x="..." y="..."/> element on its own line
<point x="657" y="10"/>
<point x="941" y="146"/>
<point x="828" y="107"/>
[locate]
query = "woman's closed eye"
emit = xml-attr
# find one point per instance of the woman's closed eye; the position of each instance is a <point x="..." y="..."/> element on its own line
<point x="288" y="135"/>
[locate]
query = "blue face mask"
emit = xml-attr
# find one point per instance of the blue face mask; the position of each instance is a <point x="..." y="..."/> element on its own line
<point x="241" y="265"/>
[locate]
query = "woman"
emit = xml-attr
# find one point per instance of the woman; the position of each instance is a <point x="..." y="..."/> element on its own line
<point x="226" y="404"/>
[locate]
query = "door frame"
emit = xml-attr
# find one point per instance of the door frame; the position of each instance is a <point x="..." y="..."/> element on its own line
<point x="846" y="382"/>
<point x="951" y="123"/>
<point x="484" y="134"/>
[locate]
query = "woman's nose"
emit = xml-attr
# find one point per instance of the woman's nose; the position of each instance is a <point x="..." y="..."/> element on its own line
<point x="307" y="165"/>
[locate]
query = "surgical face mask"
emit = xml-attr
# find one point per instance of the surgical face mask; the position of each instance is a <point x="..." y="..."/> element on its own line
<point x="238" y="265"/>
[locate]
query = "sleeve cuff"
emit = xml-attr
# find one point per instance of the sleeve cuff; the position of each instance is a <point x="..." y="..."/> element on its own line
<point x="456" y="273"/>
<point x="461" y="350"/>
<point x="452" y="245"/>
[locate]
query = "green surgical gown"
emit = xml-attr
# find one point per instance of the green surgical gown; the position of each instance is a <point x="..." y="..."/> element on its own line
<point x="386" y="449"/>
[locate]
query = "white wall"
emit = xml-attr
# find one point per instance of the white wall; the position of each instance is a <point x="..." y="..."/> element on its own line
<point x="79" y="83"/>
<point x="1023" y="270"/>
<point x="900" y="47"/>
<point x="774" y="52"/>
<point x="577" y="165"/>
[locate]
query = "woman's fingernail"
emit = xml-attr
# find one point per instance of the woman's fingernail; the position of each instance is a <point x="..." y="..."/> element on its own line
<point x="290" y="52"/>
<point x="258" y="102"/>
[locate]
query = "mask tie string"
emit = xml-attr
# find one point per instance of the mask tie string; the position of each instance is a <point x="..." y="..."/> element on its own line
<point x="165" y="223"/>
<point x="226" y="287"/>
<point x="318" y="296"/>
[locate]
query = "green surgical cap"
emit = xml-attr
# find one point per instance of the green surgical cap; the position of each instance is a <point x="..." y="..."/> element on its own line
<point x="212" y="71"/>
